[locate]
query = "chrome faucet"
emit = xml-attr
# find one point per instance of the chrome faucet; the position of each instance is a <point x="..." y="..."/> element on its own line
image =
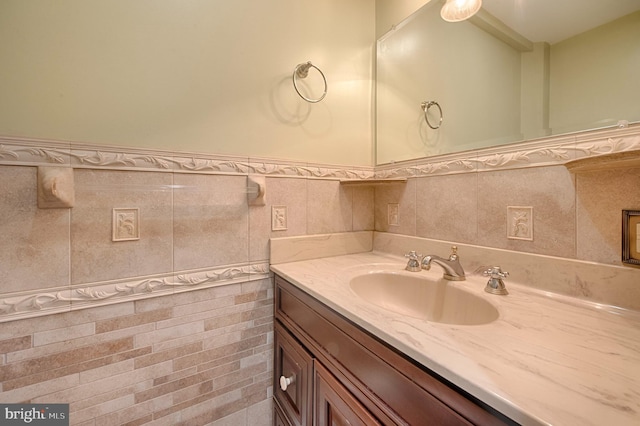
<point x="452" y="269"/>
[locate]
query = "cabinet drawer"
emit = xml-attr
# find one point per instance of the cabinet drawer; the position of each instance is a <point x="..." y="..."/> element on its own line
<point x="293" y="375"/>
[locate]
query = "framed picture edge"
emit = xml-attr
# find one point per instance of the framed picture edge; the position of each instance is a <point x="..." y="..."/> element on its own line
<point x="628" y="255"/>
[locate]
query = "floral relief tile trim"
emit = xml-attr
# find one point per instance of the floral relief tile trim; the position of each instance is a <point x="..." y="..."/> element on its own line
<point x="33" y="153"/>
<point x="589" y="147"/>
<point x="38" y="152"/>
<point x="551" y="151"/>
<point x="32" y="304"/>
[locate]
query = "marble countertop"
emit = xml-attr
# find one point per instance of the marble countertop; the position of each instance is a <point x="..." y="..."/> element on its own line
<point x="547" y="359"/>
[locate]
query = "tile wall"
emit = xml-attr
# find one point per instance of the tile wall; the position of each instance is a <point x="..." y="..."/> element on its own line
<point x="571" y="188"/>
<point x="192" y="358"/>
<point x="576" y="216"/>
<point x="176" y="326"/>
<point x="200" y="351"/>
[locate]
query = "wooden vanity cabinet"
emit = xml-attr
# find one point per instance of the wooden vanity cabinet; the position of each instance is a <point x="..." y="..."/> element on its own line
<point x="345" y="375"/>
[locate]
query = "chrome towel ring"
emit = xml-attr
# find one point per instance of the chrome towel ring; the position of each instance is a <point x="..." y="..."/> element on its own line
<point x="425" y="107"/>
<point x="302" y="71"/>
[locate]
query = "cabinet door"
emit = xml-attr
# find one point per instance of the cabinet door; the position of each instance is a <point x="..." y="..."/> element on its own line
<point x="279" y="419"/>
<point x="334" y="405"/>
<point x="293" y="373"/>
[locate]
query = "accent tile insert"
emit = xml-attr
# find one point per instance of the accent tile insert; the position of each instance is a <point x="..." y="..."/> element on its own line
<point x="520" y="223"/>
<point x="126" y="224"/>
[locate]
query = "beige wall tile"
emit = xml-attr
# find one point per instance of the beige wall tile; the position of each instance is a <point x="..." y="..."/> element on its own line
<point x="260" y="414"/>
<point x="101" y="398"/>
<point x="63" y="334"/>
<point x="138" y="380"/>
<point x="107" y="371"/>
<point x="289" y="192"/>
<point x="77" y="343"/>
<point x="94" y="256"/>
<point x="363" y="208"/>
<point x="115" y="382"/>
<point x="140" y="413"/>
<point x="405" y="196"/>
<point x="601" y="197"/>
<point x="211" y="225"/>
<point x="66" y="319"/>
<point x="51" y="362"/>
<point x="447" y="207"/>
<point x="472" y="208"/>
<point x="238" y="418"/>
<point x="161" y="356"/>
<point x="551" y="193"/>
<point x="104" y="408"/>
<point x="15" y="344"/>
<point x="329" y="207"/>
<point x="132" y="320"/>
<point x="35" y="249"/>
<point x="169" y="333"/>
<point x="32" y="392"/>
<point x="184" y="300"/>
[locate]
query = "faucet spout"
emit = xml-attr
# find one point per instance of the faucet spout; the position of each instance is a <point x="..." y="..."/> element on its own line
<point x="452" y="269"/>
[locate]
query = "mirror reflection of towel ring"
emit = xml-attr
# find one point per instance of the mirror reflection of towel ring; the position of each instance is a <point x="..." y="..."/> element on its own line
<point x="302" y="71"/>
<point x="425" y="107"/>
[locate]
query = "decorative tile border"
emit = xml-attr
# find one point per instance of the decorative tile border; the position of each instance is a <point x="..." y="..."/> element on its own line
<point x="50" y="301"/>
<point x="544" y="152"/>
<point x="556" y="150"/>
<point x="34" y="152"/>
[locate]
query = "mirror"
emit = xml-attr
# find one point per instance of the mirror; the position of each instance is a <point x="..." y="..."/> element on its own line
<point x="516" y="71"/>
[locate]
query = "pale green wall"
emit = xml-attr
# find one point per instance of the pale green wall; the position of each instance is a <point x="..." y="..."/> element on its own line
<point x="190" y="75"/>
<point x="585" y="82"/>
<point x="594" y="77"/>
<point x="415" y="65"/>
<point x="392" y="12"/>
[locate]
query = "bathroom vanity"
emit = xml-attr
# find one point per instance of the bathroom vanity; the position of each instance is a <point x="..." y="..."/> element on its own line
<point x="546" y="359"/>
<point x="330" y="371"/>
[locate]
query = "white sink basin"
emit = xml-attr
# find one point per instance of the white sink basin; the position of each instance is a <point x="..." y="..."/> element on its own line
<point x="421" y="297"/>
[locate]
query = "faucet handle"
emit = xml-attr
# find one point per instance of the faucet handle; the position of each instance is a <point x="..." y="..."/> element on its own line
<point x="495" y="285"/>
<point x="412" y="255"/>
<point x="495" y="273"/>
<point x="454" y="253"/>
<point x="413" y="265"/>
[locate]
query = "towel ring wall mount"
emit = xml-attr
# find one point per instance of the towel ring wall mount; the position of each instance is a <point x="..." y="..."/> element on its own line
<point x="425" y="107"/>
<point x="302" y="71"/>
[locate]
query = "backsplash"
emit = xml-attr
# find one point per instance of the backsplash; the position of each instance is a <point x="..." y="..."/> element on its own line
<point x="467" y="197"/>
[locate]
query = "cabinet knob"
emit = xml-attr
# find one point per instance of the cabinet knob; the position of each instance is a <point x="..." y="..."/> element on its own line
<point x="286" y="381"/>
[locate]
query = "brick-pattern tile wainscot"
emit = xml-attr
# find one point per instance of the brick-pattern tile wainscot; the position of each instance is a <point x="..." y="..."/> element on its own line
<point x="193" y="358"/>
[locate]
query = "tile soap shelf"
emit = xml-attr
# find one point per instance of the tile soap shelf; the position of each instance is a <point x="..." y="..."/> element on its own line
<point x="616" y="160"/>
